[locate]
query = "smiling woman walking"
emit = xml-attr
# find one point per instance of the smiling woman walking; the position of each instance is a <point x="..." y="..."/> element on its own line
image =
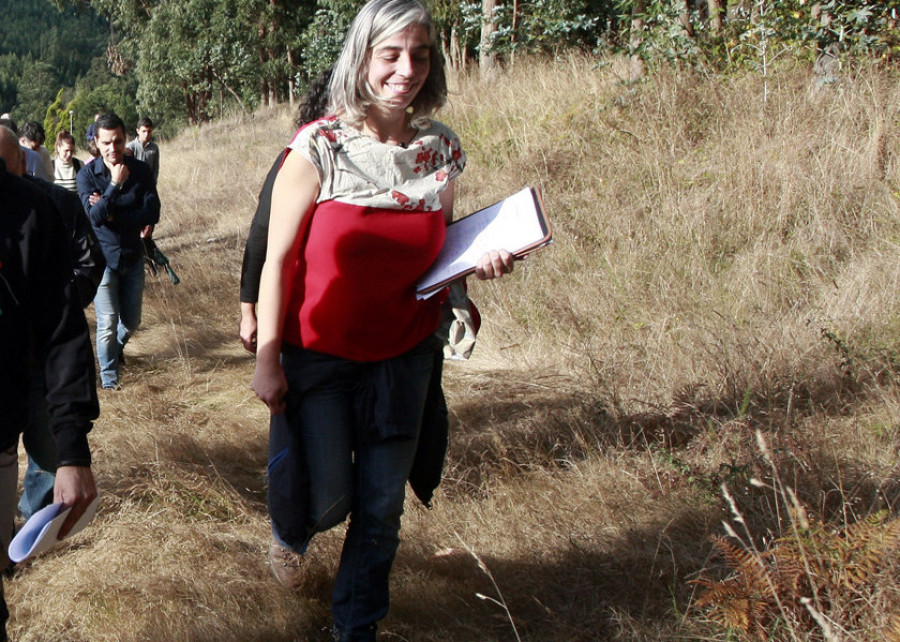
<point x="345" y="350"/>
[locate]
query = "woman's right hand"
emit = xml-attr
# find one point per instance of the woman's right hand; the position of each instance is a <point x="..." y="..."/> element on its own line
<point x="270" y="385"/>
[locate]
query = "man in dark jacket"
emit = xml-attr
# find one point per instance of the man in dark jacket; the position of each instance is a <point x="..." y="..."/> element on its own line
<point x="41" y="321"/>
<point x="118" y="193"/>
<point x="88" y="264"/>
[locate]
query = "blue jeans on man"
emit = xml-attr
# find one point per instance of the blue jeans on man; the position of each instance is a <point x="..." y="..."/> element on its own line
<point x="117" y="305"/>
<point x="40" y="476"/>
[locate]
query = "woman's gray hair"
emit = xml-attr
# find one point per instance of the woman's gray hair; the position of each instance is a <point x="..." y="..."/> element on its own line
<point x="350" y="92"/>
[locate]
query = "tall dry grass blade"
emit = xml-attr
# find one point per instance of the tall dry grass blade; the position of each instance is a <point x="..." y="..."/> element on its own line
<point x="499" y="600"/>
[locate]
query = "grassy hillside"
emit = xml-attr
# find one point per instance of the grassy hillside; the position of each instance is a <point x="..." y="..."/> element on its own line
<point x="723" y="266"/>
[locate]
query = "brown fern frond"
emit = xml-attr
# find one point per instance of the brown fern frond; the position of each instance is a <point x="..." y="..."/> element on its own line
<point x="742" y="601"/>
<point x="749" y="568"/>
<point x="833" y="567"/>
<point x="730" y="606"/>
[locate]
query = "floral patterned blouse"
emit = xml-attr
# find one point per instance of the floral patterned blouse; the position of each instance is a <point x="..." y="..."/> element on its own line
<point x="355" y="168"/>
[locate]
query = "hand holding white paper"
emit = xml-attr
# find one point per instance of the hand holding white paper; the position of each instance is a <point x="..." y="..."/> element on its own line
<point x="40" y="533"/>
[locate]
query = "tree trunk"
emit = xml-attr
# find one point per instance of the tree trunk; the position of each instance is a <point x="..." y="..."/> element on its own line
<point x="685" y="18"/>
<point x="636" y="63"/>
<point x="486" y="58"/>
<point x="455" y="56"/>
<point x="261" y="52"/>
<point x="716" y="16"/>
<point x="291" y="88"/>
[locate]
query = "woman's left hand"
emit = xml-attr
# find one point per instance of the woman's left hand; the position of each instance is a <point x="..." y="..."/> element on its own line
<point x="494" y="264"/>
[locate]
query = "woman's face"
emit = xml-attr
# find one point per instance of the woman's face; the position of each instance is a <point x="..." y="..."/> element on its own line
<point x="64" y="151"/>
<point x="399" y="66"/>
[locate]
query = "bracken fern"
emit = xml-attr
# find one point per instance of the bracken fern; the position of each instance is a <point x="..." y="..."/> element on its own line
<point x="817" y="574"/>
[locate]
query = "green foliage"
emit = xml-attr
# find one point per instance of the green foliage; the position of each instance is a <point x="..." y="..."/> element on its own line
<point x="67" y="40"/>
<point x="37" y="81"/>
<point x="551" y="26"/>
<point x="43" y="49"/>
<point x="761" y="29"/>
<point x="663" y="37"/>
<point x="459" y="20"/>
<point x="100" y="91"/>
<point x="57" y="118"/>
<point x="865" y="26"/>
<point x="322" y="40"/>
<point x="191" y="54"/>
<point x="531" y="26"/>
<point x="10" y="71"/>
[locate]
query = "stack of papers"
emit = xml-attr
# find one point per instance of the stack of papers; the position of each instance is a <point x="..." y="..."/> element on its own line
<point x="516" y="224"/>
<point x="41" y="532"/>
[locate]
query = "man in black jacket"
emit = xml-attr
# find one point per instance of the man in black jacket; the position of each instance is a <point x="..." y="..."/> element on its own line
<point x="41" y="321"/>
<point x="88" y="264"/>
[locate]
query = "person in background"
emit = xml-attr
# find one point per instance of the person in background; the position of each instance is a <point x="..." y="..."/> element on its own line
<point x="66" y="166"/>
<point x="33" y="136"/>
<point x="38" y="300"/>
<point x="93" y="152"/>
<point x="92" y="129"/>
<point x="345" y="350"/>
<point x="313" y="106"/>
<point x="34" y="164"/>
<point x="87" y="270"/>
<point x="144" y="147"/>
<point x="119" y="194"/>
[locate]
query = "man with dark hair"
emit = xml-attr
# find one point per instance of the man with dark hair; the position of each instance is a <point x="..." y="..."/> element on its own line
<point x="144" y="147"/>
<point x="38" y="300"/>
<point x="34" y="164"/>
<point x="119" y="194"/>
<point x="32" y="136"/>
<point x="87" y="270"/>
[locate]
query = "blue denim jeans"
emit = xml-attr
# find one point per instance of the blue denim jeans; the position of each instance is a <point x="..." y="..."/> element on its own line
<point x="118" y="308"/>
<point x="357" y="425"/>
<point x="37" y="489"/>
<point x="40" y="476"/>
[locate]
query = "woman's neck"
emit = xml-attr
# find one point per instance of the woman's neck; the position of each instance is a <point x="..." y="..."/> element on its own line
<point x="394" y="130"/>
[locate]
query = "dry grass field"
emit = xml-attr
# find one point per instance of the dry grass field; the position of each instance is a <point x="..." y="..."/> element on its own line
<point x="723" y="266"/>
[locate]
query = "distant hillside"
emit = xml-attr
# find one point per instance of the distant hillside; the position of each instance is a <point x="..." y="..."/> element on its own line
<point x="61" y="43"/>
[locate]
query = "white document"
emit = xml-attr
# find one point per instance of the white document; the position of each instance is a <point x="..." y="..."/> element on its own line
<point x="516" y="224"/>
<point x="41" y="531"/>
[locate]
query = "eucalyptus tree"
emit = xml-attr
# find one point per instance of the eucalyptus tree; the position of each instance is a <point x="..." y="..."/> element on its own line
<point x="729" y="34"/>
<point x="194" y="56"/>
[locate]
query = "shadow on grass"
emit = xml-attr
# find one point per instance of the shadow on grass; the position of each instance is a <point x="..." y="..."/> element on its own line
<point x="505" y="426"/>
<point x="572" y="593"/>
<point x="500" y="432"/>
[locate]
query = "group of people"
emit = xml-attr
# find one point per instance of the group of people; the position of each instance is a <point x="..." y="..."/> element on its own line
<point x="348" y="358"/>
<point x="119" y="197"/>
<point x="69" y="235"/>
